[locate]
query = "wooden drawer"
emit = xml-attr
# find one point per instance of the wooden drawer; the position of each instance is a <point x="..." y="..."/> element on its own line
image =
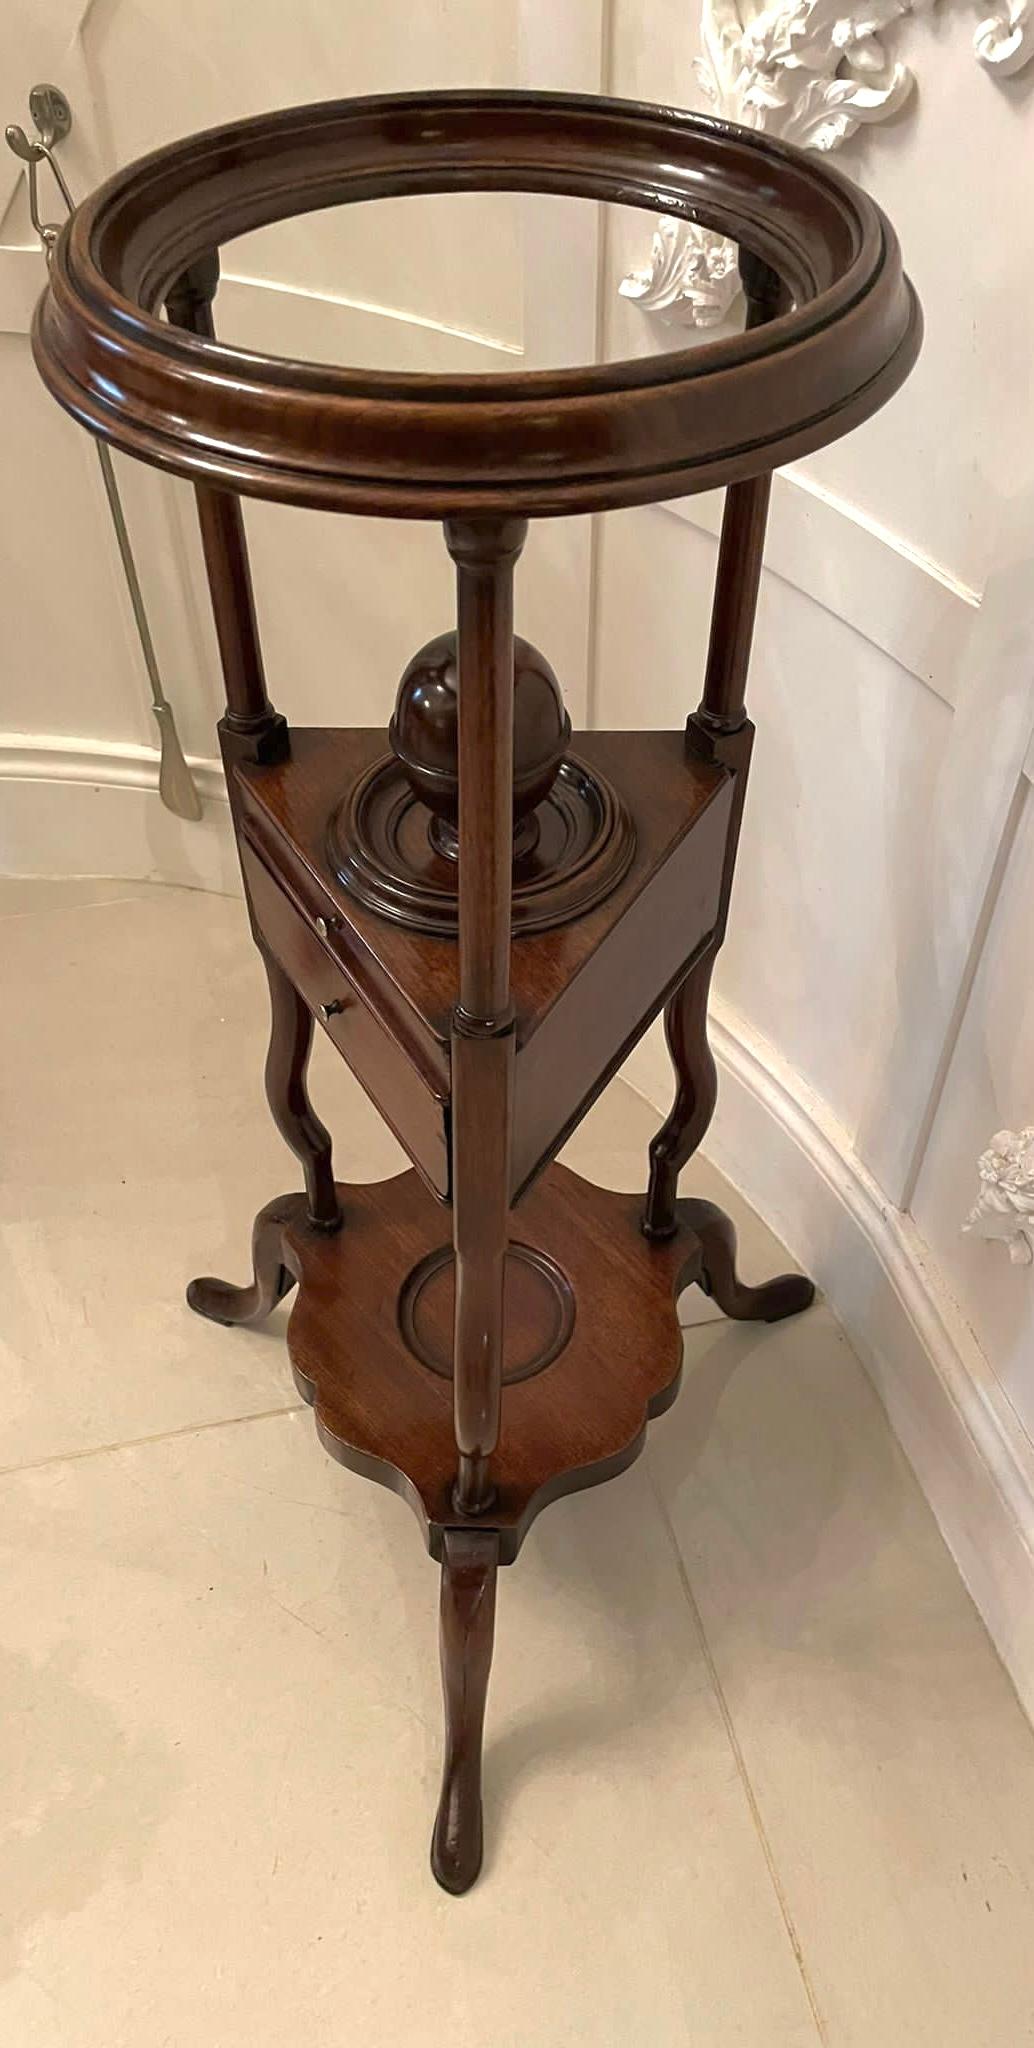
<point x="417" y="1115"/>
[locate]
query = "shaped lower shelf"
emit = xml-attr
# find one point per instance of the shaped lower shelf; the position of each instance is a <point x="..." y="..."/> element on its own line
<point x="594" y="1347"/>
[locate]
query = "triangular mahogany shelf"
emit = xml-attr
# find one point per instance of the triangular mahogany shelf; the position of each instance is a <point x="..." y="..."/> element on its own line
<point x="582" y="992"/>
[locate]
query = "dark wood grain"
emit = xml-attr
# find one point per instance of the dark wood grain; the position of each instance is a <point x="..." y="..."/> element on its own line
<point x="532" y="444"/>
<point x="740" y="549"/>
<point x="485" y="553"/>
<point x="718" y="731"/>
<point x="784" y="1296"/>
<point x="485" y="1363"/>
<point x="685" y="1016"/>
<point x="221" y="1302"/>
<point x="482" y="1126"/>
<point x="582" y="992"/>
<point x="286" y="807"/>
<point x="424" y="732"/>
<point x="290" y="1043"/>
<point x="738" y="578"/>
<point x="225" y="549"/>
<point x="385" y="1414"/>
<point x="483" y="1028"/>
<point x="413" y="1099"/>
<point x="696" y="1093"/>
<point x="466" y="1631"/>
<point x="393" y="853"/>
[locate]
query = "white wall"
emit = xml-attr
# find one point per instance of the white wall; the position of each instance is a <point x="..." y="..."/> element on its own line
<point x="873" y="1011"/>
<point x="847" y="756"/>
<point x="463" y="281"/>
<point x="989" y="1083"/>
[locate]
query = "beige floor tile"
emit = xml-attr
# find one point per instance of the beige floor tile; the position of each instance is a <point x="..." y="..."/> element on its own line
<point x="892" y="1765"/>
<point x="219" y="1695"/>
<point x="136" y="1149"/>
<point x="218" y="1683"/>
<point x="27" y="897"/>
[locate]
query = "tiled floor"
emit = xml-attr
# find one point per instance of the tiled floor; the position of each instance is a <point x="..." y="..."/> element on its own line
<point x="754" y="1774"/>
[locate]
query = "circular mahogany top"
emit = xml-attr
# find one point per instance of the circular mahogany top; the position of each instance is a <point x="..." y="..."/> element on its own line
<point x="570" y="440"/>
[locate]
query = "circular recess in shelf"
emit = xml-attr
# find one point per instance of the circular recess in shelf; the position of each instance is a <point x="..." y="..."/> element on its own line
<point x="539" y="1323"/>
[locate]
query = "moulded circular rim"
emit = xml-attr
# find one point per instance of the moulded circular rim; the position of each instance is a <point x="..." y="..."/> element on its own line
<point x="555" y="897"/>
<point x="531" y="442"/>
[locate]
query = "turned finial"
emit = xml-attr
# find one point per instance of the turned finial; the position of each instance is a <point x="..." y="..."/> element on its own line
<point x="424" y="735"/>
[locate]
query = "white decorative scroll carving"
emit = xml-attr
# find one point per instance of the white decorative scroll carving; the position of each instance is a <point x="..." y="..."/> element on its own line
<point x="810" y="72"/>
<point x="1004" y="1208"/>
<point x="1005" y="41"/>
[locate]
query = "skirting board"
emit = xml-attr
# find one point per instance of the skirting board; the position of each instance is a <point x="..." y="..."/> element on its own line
<point x="780" y="1146"/>
<point x="91" y="807"/>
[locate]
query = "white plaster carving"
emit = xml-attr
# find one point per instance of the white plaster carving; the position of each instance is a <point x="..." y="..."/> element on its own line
<point x="1005" y="41"/>
<point x="1004" y="1208"/>
<point x="810" y="72"/>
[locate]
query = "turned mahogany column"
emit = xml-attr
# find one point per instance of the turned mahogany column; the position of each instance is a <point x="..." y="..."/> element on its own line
<point x="483" y="1031"/>
<point x="249" y="715"/>
<point x="470" y="1559"/>
<point x="720" y="730"/>
<point x="251" y="730"/>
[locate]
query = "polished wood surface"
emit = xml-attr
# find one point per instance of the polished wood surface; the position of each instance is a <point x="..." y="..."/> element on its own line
<point x="490" y="1332"/>
<point x="581" y="992"/>
<point x="221" y="1302"/>
<point x="483" y="1024"/>
<point x="285" y="809"/>
<point x="393" y="853"/>
<point x="248" y="709"/>
<point x="685" y="1016"/>
<point x="515" y="443"/>
<point x="394" y="837"/>
<point x="287" y="1061"/>
<point x="740" y="548"/>
<point x="424" y="731"/>
<point x="467" y="1627"/>
<point x="485" y="553"/>
<point x="786" y="1296"/>
<point x="383" y="1412"/>
<point x="413" y="1099"/>
<point x="696" y="1093"/>
<point x="718" y="731"/>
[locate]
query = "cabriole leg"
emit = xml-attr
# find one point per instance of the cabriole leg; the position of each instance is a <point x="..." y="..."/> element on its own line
<point x="787" y="1295"/>
<point x="221" y="1302"/>
<point x="470" y="1560"/>
<point x="290" y="1043"/>
<point x="685" y="1026"/>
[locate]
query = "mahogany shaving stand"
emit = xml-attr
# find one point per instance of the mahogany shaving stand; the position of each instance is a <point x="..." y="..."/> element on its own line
<point x="483" y="916"/>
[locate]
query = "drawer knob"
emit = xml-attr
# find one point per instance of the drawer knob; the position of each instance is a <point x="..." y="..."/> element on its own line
<point x="332" y="1009"/>
<point x="325" y="925"/>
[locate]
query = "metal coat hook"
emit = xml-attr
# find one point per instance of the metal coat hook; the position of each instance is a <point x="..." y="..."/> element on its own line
<point x="52" y="118"/>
